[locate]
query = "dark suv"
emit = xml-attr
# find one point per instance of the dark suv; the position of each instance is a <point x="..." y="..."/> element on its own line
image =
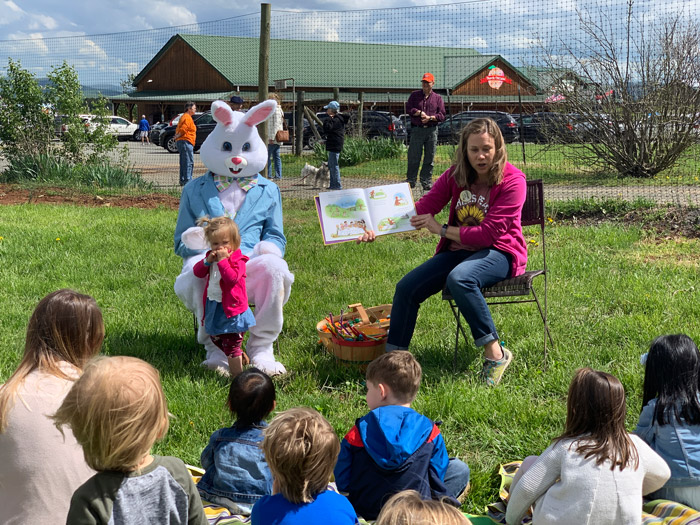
<point x="375" y="125"/>
<point x="448" y="131"/>
<point x="204" y="123"/>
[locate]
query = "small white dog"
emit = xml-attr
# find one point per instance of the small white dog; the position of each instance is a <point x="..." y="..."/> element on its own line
<point x="322" y="175"/>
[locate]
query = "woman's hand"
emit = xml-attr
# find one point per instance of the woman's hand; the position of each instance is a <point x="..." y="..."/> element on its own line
<point x="426" y="221"/>
<point x="368" y="236"/>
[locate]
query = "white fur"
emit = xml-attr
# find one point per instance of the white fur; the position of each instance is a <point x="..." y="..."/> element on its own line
<point x="322" y="175"/>
<point x="235" y="148"/>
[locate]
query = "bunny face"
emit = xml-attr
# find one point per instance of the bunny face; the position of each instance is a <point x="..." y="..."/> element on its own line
<point x="235" y="148"/>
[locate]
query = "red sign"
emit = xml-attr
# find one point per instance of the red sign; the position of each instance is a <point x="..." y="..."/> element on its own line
<point x="495" y="78"/>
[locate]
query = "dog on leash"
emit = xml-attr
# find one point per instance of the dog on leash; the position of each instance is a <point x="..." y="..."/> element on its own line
<point x="321" y="175"/>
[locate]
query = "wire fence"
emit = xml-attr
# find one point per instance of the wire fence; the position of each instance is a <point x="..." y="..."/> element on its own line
<point x="567" y="82"/>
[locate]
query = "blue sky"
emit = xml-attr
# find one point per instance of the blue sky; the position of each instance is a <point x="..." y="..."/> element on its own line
<point x="42" y="33"/>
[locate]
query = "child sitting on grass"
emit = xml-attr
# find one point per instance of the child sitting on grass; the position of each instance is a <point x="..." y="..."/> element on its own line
<point x="595" y="472"/>
<point x="393" y="447"/>
<point x="237" y="474"/>
<point x="408" y="508"/>
<point x="670" y="418"/>
<point x="227" y="315"/>
<point x="117" y="411"/>
<point x="301" y="448"/>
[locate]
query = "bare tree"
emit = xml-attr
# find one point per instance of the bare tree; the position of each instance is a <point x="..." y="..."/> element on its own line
<point x="637" y="94"/>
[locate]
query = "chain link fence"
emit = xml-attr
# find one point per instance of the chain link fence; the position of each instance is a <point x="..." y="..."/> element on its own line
<point x="528" y="65"/>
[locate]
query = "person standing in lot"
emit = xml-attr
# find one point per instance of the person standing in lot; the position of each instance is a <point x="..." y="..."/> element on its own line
<point x="144" y="128"/>
<point x="185" y="136"/>
<point x="334" y="128"/>
<point x="427" y="110"/>
<point x="237" y="103"/>
<point x="275" y="124"/>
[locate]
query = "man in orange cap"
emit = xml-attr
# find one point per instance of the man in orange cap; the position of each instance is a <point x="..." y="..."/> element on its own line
<point x="427" y="110"/>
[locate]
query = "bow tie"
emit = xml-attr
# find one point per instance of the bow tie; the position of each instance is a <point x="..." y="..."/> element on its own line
<point x="245" y="183"/>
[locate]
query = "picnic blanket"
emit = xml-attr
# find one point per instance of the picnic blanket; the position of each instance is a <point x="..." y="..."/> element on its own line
<point x="655" y="512"/>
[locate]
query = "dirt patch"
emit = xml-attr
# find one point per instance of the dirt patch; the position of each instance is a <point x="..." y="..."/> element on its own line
<point x="665" y="221"/>
<point x="10" y="194"/>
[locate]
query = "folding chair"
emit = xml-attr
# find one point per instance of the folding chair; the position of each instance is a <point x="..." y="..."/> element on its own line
<point x="520" y="286"/>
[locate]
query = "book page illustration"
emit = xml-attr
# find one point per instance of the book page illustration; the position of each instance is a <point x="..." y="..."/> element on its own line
<point x="391" y="207"/>
<point x="344" y="215"/>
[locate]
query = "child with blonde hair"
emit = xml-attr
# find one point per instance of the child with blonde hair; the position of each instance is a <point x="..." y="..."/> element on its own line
<point x="117" y="411"/>
<point x="595" y="472"/>
<point x="393" y="447"/>
<point x="227" y="315"/>
<point x="301" y="449"/>
<point x="408" y="508"/>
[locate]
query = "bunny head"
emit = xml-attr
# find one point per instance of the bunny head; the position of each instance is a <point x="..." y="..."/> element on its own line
<point x="235" y="148"/>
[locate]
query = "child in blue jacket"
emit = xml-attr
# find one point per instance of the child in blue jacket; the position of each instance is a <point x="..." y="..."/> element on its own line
<point x="670" y="418"/>
<point x="393" y="447"/>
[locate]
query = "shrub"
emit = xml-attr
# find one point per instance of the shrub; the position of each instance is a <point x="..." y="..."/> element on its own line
<point x="356" y="150"/>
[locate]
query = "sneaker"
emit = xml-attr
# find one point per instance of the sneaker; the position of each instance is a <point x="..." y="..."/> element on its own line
<point x="492" y="371"/>
<point x="427" y="186"/>
<point x="412" y="184"/>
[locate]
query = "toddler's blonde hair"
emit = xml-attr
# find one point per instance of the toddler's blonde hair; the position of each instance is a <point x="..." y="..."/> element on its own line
<point x="117" y="411"/>
<point x="301" y="449"/>
<point x="407" y="508"/>
<point x="211" y="226"/>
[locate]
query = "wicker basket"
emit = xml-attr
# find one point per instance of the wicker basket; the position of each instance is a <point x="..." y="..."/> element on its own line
<point x="356" y="353"/>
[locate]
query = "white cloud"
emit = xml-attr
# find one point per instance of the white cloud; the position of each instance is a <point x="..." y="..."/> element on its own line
<point x="89" y="48"/>
<point x="42" y="22"/>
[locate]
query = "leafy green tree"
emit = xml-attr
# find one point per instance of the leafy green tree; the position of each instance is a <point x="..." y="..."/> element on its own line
<point x="26" y="124"/>
<point x="85" y="139"/>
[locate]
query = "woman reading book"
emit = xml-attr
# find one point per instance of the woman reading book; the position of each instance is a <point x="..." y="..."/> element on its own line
<point x="482" y="242"/>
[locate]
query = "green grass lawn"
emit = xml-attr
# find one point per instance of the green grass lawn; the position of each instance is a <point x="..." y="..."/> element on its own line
<point x="612" y="290"/>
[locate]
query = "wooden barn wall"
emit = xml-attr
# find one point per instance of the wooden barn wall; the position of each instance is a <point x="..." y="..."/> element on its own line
<point x="182" y="69"/>
<point x="474" y="87"/>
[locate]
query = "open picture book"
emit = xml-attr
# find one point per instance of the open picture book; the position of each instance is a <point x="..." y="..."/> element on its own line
<point x="346" y="214"/>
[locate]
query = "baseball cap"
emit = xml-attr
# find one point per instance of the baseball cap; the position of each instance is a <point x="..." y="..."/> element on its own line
<point x="237" y="100"/>
<point x="332" y="105"/>
<point x="428" y="77"/>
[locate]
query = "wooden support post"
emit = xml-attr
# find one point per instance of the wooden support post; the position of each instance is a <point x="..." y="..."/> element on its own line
<point x="360" y="107"/>
<point x="299" y="124"/>
<point x="264" y="62"/>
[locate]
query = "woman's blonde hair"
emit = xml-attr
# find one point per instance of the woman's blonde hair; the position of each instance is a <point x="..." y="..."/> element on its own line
<point x="66" y="327"/>
<point x="464" y="173"/>
<point x="211" y="226"/>
<point x="301" y="449"/>
<point x="117" y="411"/>
<point x="275" y="97"/>
<point x="407" y="508"/>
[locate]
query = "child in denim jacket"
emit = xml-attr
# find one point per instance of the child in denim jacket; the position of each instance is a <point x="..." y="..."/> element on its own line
<point x="670" y="418"/>
<point x="237" y="474"/>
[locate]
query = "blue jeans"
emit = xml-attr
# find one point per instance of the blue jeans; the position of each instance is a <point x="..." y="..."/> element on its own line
<point x="421" y="139"/>
<point x="273" y="150"/>
<point x="186" y="161"/>
<point x="465" y="273"/>
<point x="456" y="477"/>
<point x="333" y="158"/>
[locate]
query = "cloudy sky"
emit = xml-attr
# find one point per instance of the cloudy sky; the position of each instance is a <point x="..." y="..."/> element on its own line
<point x="108" y="39"/>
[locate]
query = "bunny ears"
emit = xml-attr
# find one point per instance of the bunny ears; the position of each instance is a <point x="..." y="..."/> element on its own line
<point x="224" y="115"/>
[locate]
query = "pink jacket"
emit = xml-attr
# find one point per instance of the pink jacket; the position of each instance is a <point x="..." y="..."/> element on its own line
<point x="234" y="295"/>
<point x="500" y="228"/>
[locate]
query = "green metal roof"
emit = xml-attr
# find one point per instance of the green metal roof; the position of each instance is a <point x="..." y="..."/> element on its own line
<point x="329" y="64"/>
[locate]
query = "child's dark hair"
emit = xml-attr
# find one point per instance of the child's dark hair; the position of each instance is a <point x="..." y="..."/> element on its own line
<point x="251" y="397"/>
<point x="595" y="419"/>
<point x="671" y="376"/>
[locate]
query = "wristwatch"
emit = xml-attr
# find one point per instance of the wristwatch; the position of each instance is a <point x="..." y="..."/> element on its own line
<point x="443" y="230"/>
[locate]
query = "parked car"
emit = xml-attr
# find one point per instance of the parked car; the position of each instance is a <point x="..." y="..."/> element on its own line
<point x="546" y="127"/>
<point x="449" y="130"/>
<point x="61" y="124"/>
<point x="406" y="120"/>
<point x="375" y="125"/>
<point x="156" y="129"/>
<point x="204" y="123"/>
<point x="117" y="126"/>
